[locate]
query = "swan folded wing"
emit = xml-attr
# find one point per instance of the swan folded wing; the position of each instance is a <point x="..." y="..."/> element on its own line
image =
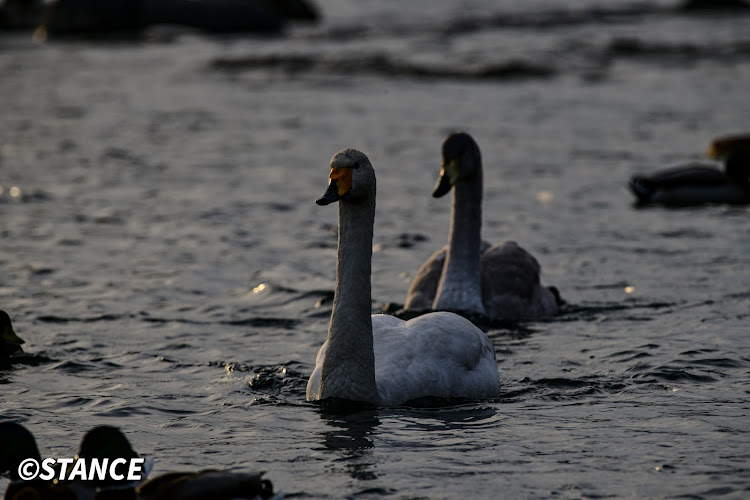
<point x="424" y="286"/>
<point x="511" y="287"/>
<point x="436" y="355"/>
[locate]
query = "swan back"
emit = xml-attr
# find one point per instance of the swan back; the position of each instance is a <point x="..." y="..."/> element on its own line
<point x="439" y="355"/>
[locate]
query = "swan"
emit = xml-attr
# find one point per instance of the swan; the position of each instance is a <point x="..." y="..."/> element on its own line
<point x="379" y="359"/>
<point x="9" y="342"/>
<point x="697" y="184"/>
<point x="498" y="282"/>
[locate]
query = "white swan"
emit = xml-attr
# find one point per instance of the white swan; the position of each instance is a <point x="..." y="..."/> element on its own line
<point x="498" y="282"/>
<point x="381" y="359"/>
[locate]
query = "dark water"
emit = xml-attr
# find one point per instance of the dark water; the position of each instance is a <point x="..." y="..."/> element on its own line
<point x="171" y="274"/>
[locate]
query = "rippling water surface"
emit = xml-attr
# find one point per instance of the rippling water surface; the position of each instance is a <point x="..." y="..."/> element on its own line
<point x="171" y="274"/>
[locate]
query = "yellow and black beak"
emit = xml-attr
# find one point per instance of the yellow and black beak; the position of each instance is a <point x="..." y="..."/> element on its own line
<point x="448" y="176"/>
<point x="339" y="185"/>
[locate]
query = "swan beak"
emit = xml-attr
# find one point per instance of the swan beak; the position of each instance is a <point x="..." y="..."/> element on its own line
<point x="331" y="195"/>
<point x="448" y="177"/>
<point x="339" y="185"/>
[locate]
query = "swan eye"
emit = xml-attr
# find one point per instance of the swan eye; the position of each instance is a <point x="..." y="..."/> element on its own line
<point x="343" y="178"/>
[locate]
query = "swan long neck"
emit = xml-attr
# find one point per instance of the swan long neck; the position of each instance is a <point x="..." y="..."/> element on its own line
<point x="350" y="374"/>
<point x="460" y="286"/>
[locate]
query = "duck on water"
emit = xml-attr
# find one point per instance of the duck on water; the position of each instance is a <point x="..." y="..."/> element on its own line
<point x="698" y="184"/>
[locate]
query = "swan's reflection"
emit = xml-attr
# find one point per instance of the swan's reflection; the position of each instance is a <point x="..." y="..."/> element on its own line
<point x="349" y="438"/>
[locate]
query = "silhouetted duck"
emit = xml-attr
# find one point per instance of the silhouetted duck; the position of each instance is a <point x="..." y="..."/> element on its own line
<point x="9" y="342"/>
<point x="212" y="484"/>
<point x="697" y="184"/>
<point x="80" y="17"/>
<point x="107" y="442"/>
<point x="18" y="444"/>
<point x="714" y="5"/>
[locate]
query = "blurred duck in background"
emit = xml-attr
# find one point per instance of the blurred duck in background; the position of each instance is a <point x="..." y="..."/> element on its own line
<point x="698" y="184"/>
<point x="715" y="5"/>
<point x="81" y="17"/>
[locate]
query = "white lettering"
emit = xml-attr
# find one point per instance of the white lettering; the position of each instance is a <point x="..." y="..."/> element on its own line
<point x="49" y="470"/>
<point x="82" y="469"/>
<point x="98" y="469"/>
<point x="136" y="466"/>
<point x="112" y="469"/>
<point x="79" y="469"/>
<point x="63" y="462"/>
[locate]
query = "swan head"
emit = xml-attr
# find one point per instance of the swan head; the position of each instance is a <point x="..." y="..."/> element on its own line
<point x="462" y="161"/>
<point x="352" y="177"/>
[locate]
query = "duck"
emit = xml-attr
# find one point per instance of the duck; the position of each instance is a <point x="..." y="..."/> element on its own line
<point x="87" y="17"/>
<point x="713" y="5"/>
<point x="19" y="445"/>
<point x="214" y="484"/>
<point x="699" y="184"/>
<point x="10" y="343"/>
<point x="109" y="442"/>
<point x="469" y="275"/>
<point x="382" y="360"/>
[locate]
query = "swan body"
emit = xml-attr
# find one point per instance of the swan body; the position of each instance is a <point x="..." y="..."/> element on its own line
<point x="411" y="360"/>
<point x="381" y="359"/>
<point x="698" y="184"/>
<point x="501" y="282"/>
